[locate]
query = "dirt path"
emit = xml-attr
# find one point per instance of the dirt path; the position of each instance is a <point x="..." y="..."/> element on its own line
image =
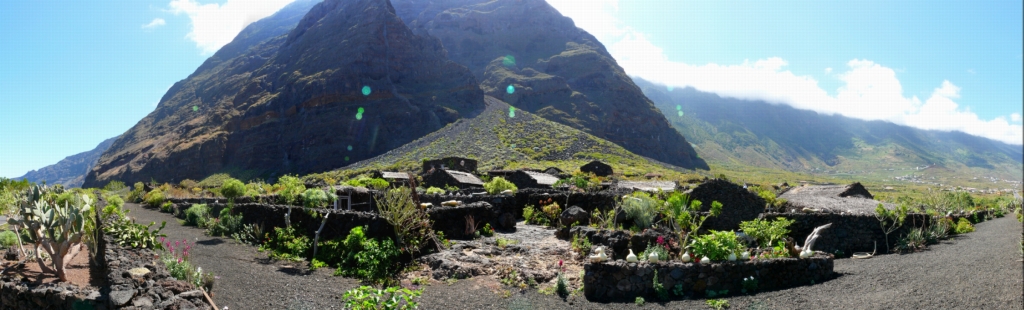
<point x="247" y="280"/>
<point x="979" y="270"/>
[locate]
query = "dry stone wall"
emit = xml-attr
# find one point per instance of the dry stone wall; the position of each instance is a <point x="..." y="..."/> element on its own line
<point x="623" y="281"/>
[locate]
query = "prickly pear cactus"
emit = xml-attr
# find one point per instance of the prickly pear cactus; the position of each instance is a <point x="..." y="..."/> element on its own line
<point x="55" y="229"/>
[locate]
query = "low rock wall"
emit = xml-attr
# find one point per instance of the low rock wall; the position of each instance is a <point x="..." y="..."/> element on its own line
<point x="622" y="281"/>
<point x="19" y="294"/>
<point x="137" y="278"/>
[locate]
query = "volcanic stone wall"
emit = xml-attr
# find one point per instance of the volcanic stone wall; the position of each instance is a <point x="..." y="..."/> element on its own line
<point x="622" y="281"/>
<point x="18" y="294"/>
<point x="738" y="204"/>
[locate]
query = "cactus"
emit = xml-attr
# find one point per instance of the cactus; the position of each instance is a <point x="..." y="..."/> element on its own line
<point x="55" y="229"/>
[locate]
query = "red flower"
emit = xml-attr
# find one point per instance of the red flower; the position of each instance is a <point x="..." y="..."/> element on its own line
<point x="559" y="263"/>
<point x="661" y="240"/>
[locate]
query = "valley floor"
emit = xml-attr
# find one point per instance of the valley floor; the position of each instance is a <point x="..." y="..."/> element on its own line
<point x="979" y="270"/>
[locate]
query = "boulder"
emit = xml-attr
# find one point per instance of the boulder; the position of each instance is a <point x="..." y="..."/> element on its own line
<point x="574" y="214"/>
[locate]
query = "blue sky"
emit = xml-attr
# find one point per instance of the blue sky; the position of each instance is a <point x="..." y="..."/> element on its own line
<point x="74" y="73"/>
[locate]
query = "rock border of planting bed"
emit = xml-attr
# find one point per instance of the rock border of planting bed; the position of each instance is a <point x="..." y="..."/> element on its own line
<point x="18" y="293"/>
<point x="623" y="281"/>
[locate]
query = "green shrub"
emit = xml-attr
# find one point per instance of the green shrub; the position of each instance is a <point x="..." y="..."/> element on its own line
<point x="215" y="180"/>
<point x="661" y="249"/>
<point x="435" y="191"/>
<point x="717" y="245"/>
<point x="8" y="239"/>
<point x="367" y="182"/>
<point x="487" y="231"/>
<point x="291" y="188"/>
<point x="642" y="208"/>
<point x="581" y="245"/>
<point x="167" y="207"/>
<point x="113" y="207"/>
<point x="287" y="243"/>
<point x="363" y="257"/>
<point x="232" y="189"/>
<point x="498" y="185"/>
<point x="317" y="198"/>
<point x="767" y="232"/>
<point x="963" y="226"/>
<point x="913" y="241"/>
<point x="225" y="225"/>
<point x="114" y="186"/>
<point x="528" y="213"/>
<point x="659" y="288"/>
<point x="369" y="298"/>
<point x="137" y="194"/>
<point x="155" y="198"/>
<point x="128" y="233"/>
<point x="411" y="224"/>
<point x="197" y="215"/>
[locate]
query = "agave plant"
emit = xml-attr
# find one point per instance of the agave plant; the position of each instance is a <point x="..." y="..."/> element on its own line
<point x="55" y="229"/>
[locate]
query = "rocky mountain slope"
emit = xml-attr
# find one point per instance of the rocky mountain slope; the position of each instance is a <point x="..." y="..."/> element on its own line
<point x="347" y="82"/>
<point x="757" y="133"/>
<point x="503" y="137"/>
<point x="71" y="170"/>
<point x="527" y="54"/>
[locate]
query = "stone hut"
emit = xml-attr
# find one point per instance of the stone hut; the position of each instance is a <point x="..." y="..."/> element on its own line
<point x="597" y="168"/>
<point x="853" y="199"/>
<point x="738" y="204"/>
<point x="450" y="163"/>
<point x="443" y="178"/>
<point x="394" y="178"/>
<point x="501" y="173"/>
<point x="531" y="179"/>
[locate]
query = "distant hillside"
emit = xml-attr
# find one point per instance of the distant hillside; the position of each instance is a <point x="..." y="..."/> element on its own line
<point x="71" y="170"/>
<point x="298" y="92"/>
<point x="526" y="53"/>
<point x="742" y="132"/>
<point x="500" y="138"/>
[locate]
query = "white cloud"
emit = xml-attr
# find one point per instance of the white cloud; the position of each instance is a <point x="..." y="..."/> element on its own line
<point x="214" y="25"/>
<point x="869" y="91"/>
<point x="157" y="22"/>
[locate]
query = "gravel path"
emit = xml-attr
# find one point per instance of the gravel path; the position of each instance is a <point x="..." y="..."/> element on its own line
<point x="980" y="270"/>
<point x="247" y="279"/>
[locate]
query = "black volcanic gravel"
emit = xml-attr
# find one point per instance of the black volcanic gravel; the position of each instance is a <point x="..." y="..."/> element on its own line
<point x="980" y="270"/>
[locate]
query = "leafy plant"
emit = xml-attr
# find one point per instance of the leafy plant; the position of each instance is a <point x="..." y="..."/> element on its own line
<point x="581" y="245"/>
<point x="231" y="189"/>
<point x="717" y="245"/>
<point x="367" y="182"/>
<point x="639" y="301"/>
<point x="317" y="198"/>
<point x="580" y="181"/>
<point x="155" y="198"/>
<point x="8" y="239"/>
<point x="685" y="213"/>
<point x="772" y="202"/>
<point x="435" y="191"/>
<point x="717" y="304"/>
<point x="528" y="211"/>
<point x="502" y="242"/>
<point x="113" y="207"/>
<point x="890" y="220"/>
<point x="291" y="188"/>
<point x="767" y="232"/>
<point x="137" y="194"/>
<point x="249" y="234"/>
<point x="167" y="207"/>
<point x="287" y="244"/>
<point x="498" y="185"/>
<point x="181" y="268"/>
<point x="913" y="241"/>
<point x="197" y="215"/>
<point x="128" y="233"/>
<point x="963" y="226"/>
<point x="369" y="298"/>
<point x="411" y="224"/>
<point x="938" y="230"/>
<point x="642" y="208"/>
<point x="487" y="231"/>
<point x="225" y="225"/>
<point x="659" y="288"/>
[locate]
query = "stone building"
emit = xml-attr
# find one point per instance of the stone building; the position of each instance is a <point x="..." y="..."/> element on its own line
<point x="443" y="178"/>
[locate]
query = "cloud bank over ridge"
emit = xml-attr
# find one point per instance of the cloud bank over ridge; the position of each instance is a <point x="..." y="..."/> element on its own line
<point x="869" y="91"/>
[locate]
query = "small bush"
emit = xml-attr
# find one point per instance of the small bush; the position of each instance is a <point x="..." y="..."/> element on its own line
<point x="487" y="231"/>
<point x="114" y="186"/>
<point x="371" y="183"/>
<point x="8" y="239"/>
<point x="964" y="226"/>
<point x="291" y="188"/>
<point x="155" y="198"/>
<point x="913" y="241"/>
<point x="367" y="258"/>
<point x="661" y="249"/>
<point x="317" y="198"/>
<point x="225" y="225"/>
<point x="767" y="232"/>
<point x="232" y="189"/>
<point x="528" y="213"/>
<point x="642" y="208"/>
<point x="498" y="185"/>
<point x="581" y="245"/>
<point x="287" y="244"/>
<point x="718" y="304"/>
<point x="197" y="215"/>
<point x="659" y="288"/>
<point x="167" y="207"/>
<point x="717" y="245"/>
<point x="114" y="207"/>
<point x="369" y="298"/>
<point x="435" y="191"/>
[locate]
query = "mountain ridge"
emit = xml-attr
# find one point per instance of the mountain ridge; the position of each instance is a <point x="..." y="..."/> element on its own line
<point x="762" y="134"/>
<point x="71" y="170"/>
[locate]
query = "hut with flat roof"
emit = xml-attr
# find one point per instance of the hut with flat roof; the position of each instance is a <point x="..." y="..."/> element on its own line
<point x="443" y="178"/>
<point x="532" y="179"/>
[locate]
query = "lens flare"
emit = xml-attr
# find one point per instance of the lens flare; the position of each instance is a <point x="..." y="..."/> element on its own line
<point x="511" y="111"/>
<point x="511" y="89"/>
<point x="366" y="90"/>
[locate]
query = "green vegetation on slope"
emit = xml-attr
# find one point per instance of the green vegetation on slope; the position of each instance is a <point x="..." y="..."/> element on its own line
<point x="503" y="137"/>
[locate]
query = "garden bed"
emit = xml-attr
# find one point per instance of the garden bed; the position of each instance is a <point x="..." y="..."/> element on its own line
<point x="623" y="281"/>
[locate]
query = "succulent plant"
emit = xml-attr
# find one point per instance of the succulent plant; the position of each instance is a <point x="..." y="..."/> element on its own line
<point x="55" y="229"/>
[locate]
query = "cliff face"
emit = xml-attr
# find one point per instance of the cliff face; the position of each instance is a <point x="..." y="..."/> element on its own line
<point x="556" y="70"/>
<point x="71" y="170"/>
<point x="347" y="82"/>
